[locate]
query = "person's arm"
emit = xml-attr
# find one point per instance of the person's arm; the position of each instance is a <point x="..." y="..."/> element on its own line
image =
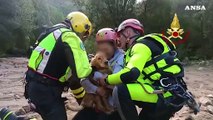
<point x="139" y="56"/>
<point x="91" y="88"/>
<point x="78" y="62"/>
<point x="88" y="86"/>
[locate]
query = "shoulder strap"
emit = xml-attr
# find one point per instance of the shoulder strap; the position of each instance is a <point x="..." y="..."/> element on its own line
<point x="48" y="31"/>
<point x="155" y="46"/>
<point x="156" y="49"/>
<point x="157" y="54"/>
<point x="168" y="41"/>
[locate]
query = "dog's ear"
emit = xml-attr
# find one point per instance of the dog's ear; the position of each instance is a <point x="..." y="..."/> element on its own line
<point x="90" y="56"/>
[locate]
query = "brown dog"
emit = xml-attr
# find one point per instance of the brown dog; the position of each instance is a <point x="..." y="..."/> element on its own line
<point x="99" y="62"/>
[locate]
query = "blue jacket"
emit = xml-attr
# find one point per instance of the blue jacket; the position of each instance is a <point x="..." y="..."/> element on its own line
<point x="116" y="63"/>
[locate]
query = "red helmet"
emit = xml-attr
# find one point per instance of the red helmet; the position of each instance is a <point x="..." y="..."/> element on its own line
<point x="133" y="23"/>
<point x="106" y="34"/>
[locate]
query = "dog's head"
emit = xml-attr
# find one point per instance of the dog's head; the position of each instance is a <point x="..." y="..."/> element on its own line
<point x="99" y="61"/>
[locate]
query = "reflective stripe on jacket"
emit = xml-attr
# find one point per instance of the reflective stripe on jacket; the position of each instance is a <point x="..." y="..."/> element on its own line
<point x="137" y="56"/>
<point x="49" y="57"/>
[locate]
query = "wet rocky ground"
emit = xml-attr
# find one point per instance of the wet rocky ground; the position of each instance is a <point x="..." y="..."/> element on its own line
<point x="199" y="77"/>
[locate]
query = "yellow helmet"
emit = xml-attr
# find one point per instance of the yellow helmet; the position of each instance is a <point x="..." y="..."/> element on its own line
<point x="80" y="23"/>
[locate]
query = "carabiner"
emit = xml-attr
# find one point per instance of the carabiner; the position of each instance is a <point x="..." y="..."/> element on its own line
<point x="164" y="85"/>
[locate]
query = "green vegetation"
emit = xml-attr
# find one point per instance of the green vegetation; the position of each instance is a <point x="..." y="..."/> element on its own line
<point x="23" y="20"/>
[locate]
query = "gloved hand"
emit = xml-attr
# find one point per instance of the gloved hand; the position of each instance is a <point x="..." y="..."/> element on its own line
<point x="102" y="81"/>
<point x="6" y="114"/>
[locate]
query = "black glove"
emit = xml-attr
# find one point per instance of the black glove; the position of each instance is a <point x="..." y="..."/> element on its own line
<point x="10" y="116"/>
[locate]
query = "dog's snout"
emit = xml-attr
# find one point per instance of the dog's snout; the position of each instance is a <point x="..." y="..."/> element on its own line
<point x="106" y="62"/>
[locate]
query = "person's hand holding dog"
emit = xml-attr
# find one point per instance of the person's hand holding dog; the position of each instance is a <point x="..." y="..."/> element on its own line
<point x="102" y="92"/>
<point x="102" y="81"/>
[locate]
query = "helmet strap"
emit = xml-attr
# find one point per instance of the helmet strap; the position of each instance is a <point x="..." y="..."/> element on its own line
<point x="134" y="37"/>
<point x="137" y="34"/>
<point x="68" y="23"/>
<point x="124" y="35"/>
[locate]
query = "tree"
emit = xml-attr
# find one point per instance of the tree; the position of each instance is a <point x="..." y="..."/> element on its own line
<point x="23" y="20"/>
<point x="7" y="24"/>
<point x="107" y="13"/>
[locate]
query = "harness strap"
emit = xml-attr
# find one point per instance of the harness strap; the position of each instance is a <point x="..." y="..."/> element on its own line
<point x="47" y="32"/>
<point x="157" y="50"/>
<point x="163" y="73"/>
<point x="158" y="58"/>
<point x="155" y="47"/>
<point x="168" y="42"/>
<point x="32" y="75"/>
